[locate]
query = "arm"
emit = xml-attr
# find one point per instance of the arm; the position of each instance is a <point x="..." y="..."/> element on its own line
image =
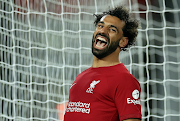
<point x="128" y="94"/>
<point x="132" y="120"/>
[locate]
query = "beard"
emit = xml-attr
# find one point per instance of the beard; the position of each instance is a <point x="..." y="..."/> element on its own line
<point x="110" y="48"/>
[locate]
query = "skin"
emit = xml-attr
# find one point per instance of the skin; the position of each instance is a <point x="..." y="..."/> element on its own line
<point x="111" y="26"/>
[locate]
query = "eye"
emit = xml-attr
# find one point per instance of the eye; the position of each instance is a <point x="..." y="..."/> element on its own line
<point x="113" y="30"/>
<point x="100" y="26"/>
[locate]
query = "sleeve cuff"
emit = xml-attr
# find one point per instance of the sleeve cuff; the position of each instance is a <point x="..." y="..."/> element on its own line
<point x="128" y="116"/>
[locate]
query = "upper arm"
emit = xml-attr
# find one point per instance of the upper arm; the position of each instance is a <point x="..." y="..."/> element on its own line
<point x="127" y="99"/>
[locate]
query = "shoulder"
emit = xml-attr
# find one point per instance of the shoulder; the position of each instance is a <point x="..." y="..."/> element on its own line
<point x="83" y="72"/>
<point x="122" y="80"/>
<point x="128" y="78"/>
<point x="121" y="75"/>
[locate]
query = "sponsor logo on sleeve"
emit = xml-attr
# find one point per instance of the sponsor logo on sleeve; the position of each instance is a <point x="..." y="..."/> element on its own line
<point x="135" y="100"/>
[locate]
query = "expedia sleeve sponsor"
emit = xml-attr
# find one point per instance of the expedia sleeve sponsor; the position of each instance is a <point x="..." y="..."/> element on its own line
<point x="135" y="100"/>
<point x="129" y="101"/>
<point x="78" y="107"/>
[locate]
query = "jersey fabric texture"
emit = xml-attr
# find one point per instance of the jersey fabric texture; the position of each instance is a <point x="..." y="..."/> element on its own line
<point x="104" y="94"/>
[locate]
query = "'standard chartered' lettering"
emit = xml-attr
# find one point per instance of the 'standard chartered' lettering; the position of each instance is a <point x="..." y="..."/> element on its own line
<point x="78" y="107"/>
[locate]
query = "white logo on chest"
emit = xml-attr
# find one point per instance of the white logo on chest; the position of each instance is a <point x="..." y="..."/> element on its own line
<point x="92" y="86"/>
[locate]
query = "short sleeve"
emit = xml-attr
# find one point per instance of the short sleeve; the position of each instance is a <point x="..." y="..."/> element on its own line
<point x="127" y="98"/>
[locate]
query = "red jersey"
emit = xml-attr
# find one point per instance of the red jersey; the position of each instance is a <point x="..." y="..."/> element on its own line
<point x="104" y="94"/>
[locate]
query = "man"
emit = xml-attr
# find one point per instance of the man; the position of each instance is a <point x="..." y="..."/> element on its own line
<point x="107" y="91"/>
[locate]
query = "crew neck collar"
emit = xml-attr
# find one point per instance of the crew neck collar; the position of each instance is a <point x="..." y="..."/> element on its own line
<point x="106" y="66"/>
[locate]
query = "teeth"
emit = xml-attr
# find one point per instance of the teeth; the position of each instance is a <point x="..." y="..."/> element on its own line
<point x="102" y="39"/>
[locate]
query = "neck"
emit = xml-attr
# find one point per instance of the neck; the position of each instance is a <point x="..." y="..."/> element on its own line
<point x="110" y="60"/>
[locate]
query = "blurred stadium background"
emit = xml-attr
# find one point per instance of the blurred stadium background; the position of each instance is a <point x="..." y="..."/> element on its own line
<point x="45" y="44"/>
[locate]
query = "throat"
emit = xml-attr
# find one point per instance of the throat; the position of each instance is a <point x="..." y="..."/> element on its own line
<point x="104" y="63"/>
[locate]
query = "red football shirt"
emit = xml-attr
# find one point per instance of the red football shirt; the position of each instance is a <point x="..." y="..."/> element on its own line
<point x="104" y="94"/>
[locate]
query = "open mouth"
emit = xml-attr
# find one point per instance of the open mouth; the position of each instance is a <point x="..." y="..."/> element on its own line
<point x="100" y="42"/>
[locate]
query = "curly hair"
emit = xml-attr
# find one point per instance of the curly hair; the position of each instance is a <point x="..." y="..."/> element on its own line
<point x="130" y="27"/>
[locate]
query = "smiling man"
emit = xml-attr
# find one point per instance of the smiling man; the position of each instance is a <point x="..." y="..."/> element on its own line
<point x="107" y="91"/>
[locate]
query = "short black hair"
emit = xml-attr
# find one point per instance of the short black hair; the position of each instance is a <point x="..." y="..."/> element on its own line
<point x="130" y="27"/>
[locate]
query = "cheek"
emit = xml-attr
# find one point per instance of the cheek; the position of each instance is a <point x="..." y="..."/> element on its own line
<point x="96" y="31"/>
<point x="114" y="37"/>
<point x="94" y="34"/>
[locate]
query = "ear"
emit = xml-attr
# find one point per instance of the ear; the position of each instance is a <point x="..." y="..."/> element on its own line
<point x="123" y="42"/>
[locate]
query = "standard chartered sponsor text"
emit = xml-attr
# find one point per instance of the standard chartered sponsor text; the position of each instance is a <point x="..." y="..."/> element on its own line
<point x="78" y="107"/>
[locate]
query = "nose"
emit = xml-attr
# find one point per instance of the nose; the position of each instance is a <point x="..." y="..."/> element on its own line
<point x="104" y="30"/>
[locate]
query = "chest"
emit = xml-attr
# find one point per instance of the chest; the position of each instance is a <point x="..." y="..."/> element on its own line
<point x="90" y="87"/>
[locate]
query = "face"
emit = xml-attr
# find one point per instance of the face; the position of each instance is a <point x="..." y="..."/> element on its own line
<point x="107" y="36"/>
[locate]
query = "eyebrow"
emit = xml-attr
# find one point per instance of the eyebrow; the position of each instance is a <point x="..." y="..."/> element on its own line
<point x="102" y="22"/>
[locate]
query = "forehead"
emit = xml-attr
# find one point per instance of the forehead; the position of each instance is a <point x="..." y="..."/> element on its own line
<point x="113" y="20"/>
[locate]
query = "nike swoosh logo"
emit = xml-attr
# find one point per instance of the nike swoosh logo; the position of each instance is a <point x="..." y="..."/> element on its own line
<point x="72" y="85"/>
